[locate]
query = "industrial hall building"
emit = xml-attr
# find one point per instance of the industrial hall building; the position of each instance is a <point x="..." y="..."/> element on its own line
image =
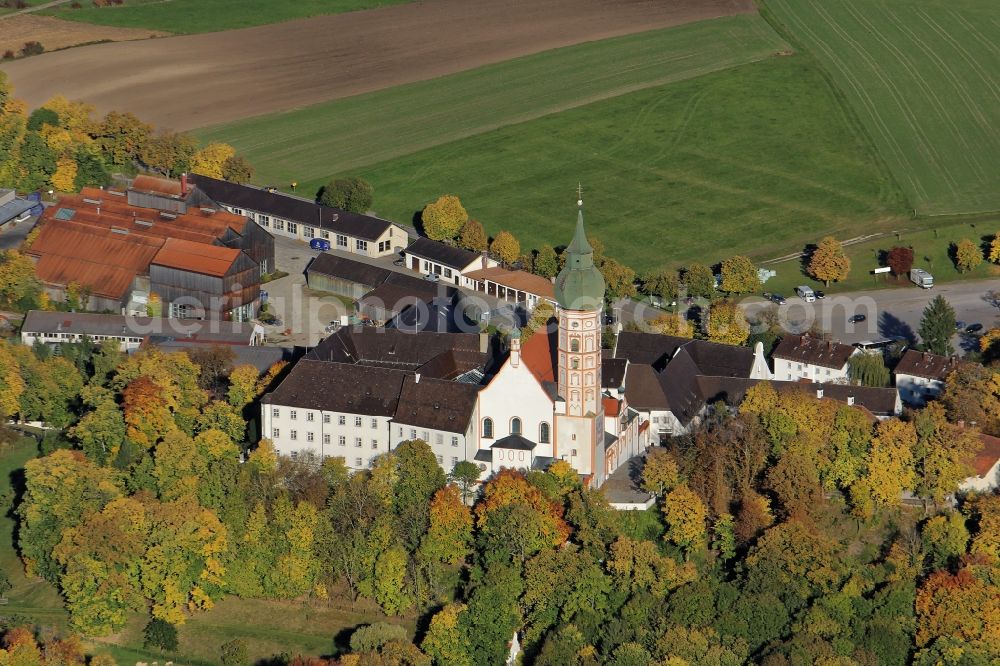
<point x="156" y="247"/>
<point x="514" y="403"/>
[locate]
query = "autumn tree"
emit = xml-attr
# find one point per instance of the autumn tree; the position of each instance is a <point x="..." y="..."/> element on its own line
<point x="546" y="262"/>
<point x="122" y="137"/>
<point x="739" y="275"/>
<point x="169" y="153"/>
<point x="619" y="279"/>
<point x="699" y="281"/>
<point x="352" y="194"/>
<point x="443" y="219"/>
<point x="444" y="642"/>
<point x="945" y="539"/>
<point x="660" y="472"/>
<point x="900" y="260"/>
<point x="942" y="606"/>
<point x="663" y="283"/>
<point x="11" y="381"/>
<point x="209" y="160"/>
<point x="828" y="262"/>
<point x="726" y="324"/>
<point x="515" y="517"/>
<point x="242" y="386"/>
<point x="637" y="566"/>
<point x="890" y="471"/>
<point x="943" y="453"/>
<point x="473" y="236"/>
<point x="685" y="515"/>
<point x="972" y="394"/>
<point x="968" y="256"/>
<point x="995" y="249"/>
<point x="505" y="248"/>
<point x="449" y="535"/>
<point x="671" y="324"/>
<point x="937" y="326"/>
<point x="868" y="369"/>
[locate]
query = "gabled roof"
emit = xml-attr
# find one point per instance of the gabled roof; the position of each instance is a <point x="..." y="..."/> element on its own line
<point x="336" y="266"/>
<point x="436" y="404"/>
<point x="987" y="456"/>
<point x="292" y="208"/>
<point x="340" y="387"/>
<point x="539" y="355"/>
<point x="711" y="358"/>
<point x="196" y="257"/>
<point x="806" y="349"/>
<point x="613" y="372"/>
<point x="391" y="348"/>
<point x="519" y="280"/>
<point x="926" y="365"/>
<point x="446" y="255"/>
<point x="515" y="442"/>
<point x="643" y="389"/>
<point x="679" y="382"/>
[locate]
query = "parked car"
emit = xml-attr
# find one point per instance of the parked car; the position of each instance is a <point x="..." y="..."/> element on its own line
<point x="319" y="244"/>
<point x="431" y="277"/>
<point x="858" y="318"/>
<point x="819" y="294"/>
<point x="959" y="325"/>
<point x="778" y="298"/>
<point x="973" y="328"/>
<point x="398" y="262"/>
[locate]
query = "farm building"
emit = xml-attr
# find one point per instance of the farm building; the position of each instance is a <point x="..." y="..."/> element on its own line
<point x="301" y="219"/>
<point x="199" y="260"/>
<point x="55" y="328"/>
<point x="400" y="292"/>
<point x="514" y="286"/>
<point x="451" y="264"/>
<point x="344" y="276"/>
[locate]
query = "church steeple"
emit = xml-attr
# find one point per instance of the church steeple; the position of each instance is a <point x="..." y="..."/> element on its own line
<point x="580" y="285"/>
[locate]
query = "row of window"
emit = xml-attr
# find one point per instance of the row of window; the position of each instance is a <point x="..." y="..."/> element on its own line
<point x="75" y="336"/>
<point x="293" y="415"/>
<point x="436" y="269"/>
<point x="310" y="437"/>
<point x="426" y="436"/>
<point x="358" y="462"/>
<point x="310" y="232"/>
<point x="544" y="431"/>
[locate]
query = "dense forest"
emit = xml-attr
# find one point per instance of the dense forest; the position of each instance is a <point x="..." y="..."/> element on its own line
<point x="779" y="535"/>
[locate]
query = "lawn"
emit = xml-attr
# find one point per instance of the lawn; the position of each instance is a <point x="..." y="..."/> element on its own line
<point x="757" y="159"/>
<point x="30" y="3"/>
<point x="924" y="77"/>
<point x="310" y="144"/>
<point x="194" y="16"/>
<point x="930" y="245"/>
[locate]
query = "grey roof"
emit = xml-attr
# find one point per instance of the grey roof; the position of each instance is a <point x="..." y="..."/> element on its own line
<point x="340" y="387"/>
<point x="613" y="372"/>
<point x="158" y="329"/>
<point x="732" y="390"/>
<point x="289" y="207"/>
<point x="12" y="209"/>
<point x="515" y="442"/>
<point x="442" y="253"/>
<point x="926" y="365"/>
<point x="712" y="358"/>
<point x="806" y="349"/>
<point x="483" y="455"/>
<point x="343" y="268"/>
<point x="437" y="404"/>
<point x="391" y="348"/>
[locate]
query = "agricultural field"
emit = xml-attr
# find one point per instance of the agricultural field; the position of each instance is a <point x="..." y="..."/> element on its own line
<point x="54" y="34"/>
<point x="190" y="81"/>
<point x="193" y="16"/>
<point x="924" y="77"/>
<point x="310" y="144"/>
<point x="757" y="159"/>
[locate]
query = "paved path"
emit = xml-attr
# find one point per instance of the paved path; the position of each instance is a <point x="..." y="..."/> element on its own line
<point x="28" y="10"/>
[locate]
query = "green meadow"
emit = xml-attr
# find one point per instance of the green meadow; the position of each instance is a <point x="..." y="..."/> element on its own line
<point x="924" y="77"/>
<point x="194" y="16"/>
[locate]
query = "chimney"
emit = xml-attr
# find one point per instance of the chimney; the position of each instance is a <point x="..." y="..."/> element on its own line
<point x="416" y="378"/>
<point x="184" y="184"/>
<point x="485" y="259"/>
<point x="515" y="348"/>
<point x="850" y="401"/>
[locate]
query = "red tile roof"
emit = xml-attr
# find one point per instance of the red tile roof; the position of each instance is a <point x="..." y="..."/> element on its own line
<point x="611" y="406"/>
<point x="538" y="353"/>
<point x="987" y="456"/>
<point x="520" y="280"/>
<point x="196" y="257"/>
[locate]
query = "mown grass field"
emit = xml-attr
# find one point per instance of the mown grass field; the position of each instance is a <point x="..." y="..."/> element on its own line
<point x="924" y="77"/>
<point x="194" y="16"/>
<point x="311" y="144"/>
<point x="757" y="159"/>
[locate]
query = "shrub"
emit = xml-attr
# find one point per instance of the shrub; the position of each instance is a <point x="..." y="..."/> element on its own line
<point x="8" y="55"/>
<point x="32" y="48"/>
<point x="234" y="653"/>
<point x="160" y="634"/>
<point x="353" y="194"/>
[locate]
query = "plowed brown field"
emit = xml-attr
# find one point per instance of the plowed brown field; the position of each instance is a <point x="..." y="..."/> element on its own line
<point x="192" y="81"/>
<point x="56" y="34"/>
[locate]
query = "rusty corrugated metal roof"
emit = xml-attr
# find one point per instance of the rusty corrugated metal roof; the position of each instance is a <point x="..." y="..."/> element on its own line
<point x="196" y="257"/>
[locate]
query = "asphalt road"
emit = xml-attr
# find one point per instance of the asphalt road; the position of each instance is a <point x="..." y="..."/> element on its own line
<point x="889" y="313"/>
<point x="14" y="234"/>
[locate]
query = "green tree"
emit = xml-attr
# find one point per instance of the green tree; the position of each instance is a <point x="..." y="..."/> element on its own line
<point x="937" y="326"/>
<point x="739" y="276"/>
<point x="663" y="283"/>
<point x="391" y="591"/>
<point x="724" y="537"/>
<point x="546" y="262"/>
<point x="353" y="194"/>
<point x="945" y="538"/>
<point x="237" y="169"/>
<point x="90" y="169"/>
<point x="492" y="615"/>
<point x="465" y="475"/>
<point x="224" y="417"/>
<point x="418" y="477"/>
<point x="41" y="117"/>
<point x="968" y="256"/>
<point x="38" y="163"/>
<point x="160" y="634"/>
<point x="505" y="248"/>
<point x="473" y="236"/>
<point x="443" y="219"/>
<point x="122" y="138"/>
<point x="828" y="262"/>
<point x="699" y="281"/>
<point x="868" y="369"/>
<point x="444" y="642"/>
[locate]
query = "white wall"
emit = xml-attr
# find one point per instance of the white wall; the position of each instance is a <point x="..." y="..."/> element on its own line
<point x="985" y="483"/>
<point x="324" y="435"/>
<point x="126" y="343"/>
<point x="448" y="447"/>
<point x="393" y="237"/>
<point x="514" y="391"/>
<point x="785" y="370"/>
<point x="915" y="390"/>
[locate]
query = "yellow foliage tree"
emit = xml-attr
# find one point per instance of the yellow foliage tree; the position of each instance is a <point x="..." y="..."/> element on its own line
<point x="11" y="382"/>
<point x="995" y="249"/>
<point x="75" y="116"/>
<point x="660" y="473"/>
<point x="64" y="179"/>
<point x="968" y="256"/>
<point x="209" y="160"/>
<point x="726" y="324"/>
<point x="59" y="139"/>
<point x="890" y="462"/>
<point x="685" y="515"/>
<point x="505" y="248"/>
<point x="444" y="218"/>
<point x="672" y="324"/>
<point x="828" y="262"/>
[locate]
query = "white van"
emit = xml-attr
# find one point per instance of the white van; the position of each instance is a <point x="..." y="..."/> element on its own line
<point x="806" y="293"/>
